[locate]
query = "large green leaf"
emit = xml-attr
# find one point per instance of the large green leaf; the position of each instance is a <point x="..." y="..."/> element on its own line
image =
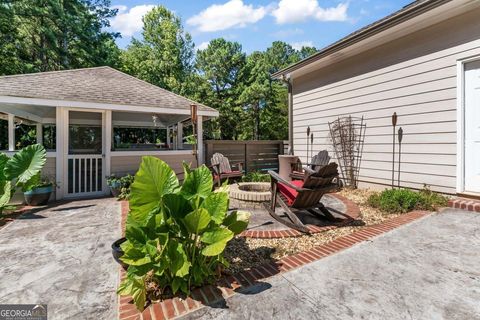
<point x="176" y="205"/>
<point x="135" y="257"/>
<point x="5" y="193"/>
<point x="26" y="163"/>
<point x="179" y="263"/>
<point x="197" y="220"/>
<point x="135" y="287"/>
<point x="135" y="235"/>
<point x="237" y="221"/>
<point x="217" y="205"/>
<point x="3" y="160"/>
<point x="217" y="240"/>
<point x="198" y="182"/>
<point x="153" y="180"/>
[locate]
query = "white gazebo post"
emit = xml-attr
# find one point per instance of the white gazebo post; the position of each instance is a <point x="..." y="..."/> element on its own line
<point x="61" y="151"/>
<point x="169" y="140"/>
<point x="108" y="145"/>
<point x="11" y="132"/>
<point x="39" y="133"/>
<point x="200" y="140"/>
<point x="179" y="136"/>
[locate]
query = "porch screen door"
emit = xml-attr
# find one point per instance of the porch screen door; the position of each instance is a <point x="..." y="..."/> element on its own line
<point x="85" y="158"/>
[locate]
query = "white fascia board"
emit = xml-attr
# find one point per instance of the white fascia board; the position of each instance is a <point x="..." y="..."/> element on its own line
<point x="102" y="106"/>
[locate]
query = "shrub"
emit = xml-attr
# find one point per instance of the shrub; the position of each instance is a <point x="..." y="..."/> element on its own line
<point x="123" y="185"/>
<point x="405" y="200"/>
<point x="175" y="234"/>
<point x="256" y="176"/>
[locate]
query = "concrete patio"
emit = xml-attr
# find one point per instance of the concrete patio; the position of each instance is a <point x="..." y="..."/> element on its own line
<point x="61" y="256"/>
<point x="428" y="269"/>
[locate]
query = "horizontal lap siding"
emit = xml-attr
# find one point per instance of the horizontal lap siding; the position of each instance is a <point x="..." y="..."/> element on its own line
<point x="414" y="76"/>
<point x="129" y="164"/>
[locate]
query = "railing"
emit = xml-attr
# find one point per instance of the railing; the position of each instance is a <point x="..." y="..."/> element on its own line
<point x="255" y="155"/>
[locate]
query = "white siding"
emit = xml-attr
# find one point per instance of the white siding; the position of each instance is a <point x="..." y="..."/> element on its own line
<point x="414" y="76"/>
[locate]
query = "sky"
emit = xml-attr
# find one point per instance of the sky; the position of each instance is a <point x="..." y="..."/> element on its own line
<point x="256" y="24"/>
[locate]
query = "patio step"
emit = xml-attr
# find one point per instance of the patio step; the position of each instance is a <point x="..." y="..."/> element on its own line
<point x="465" y="204"/>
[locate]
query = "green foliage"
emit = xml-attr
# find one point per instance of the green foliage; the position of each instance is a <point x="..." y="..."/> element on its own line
<point x="44" y="35"/>
<point x="37" y="181"/>
<point x="256" y="176"/>
<point x="176" y="234"/>
<point x="123" y="184"/>
<point x="164" y="56"/>
<point x="405" y="200"/>
<point x="20" y="170"/>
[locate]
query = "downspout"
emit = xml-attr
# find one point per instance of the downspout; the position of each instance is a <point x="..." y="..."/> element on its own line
<point x="288" y="82"/>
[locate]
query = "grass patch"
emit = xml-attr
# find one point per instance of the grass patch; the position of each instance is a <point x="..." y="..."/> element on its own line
<point x="405" y="200"/>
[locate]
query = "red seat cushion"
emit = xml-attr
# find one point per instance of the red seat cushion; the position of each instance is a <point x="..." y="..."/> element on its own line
<point x="288" y="192"/>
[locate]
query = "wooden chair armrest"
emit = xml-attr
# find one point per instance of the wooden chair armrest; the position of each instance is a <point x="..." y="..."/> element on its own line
<point x="215" y="168"/>
<point x="276" y="178"/>
<point x="239" y="164"/>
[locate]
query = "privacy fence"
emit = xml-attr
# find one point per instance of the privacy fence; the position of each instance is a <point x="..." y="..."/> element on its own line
<point x="255" y="155"/>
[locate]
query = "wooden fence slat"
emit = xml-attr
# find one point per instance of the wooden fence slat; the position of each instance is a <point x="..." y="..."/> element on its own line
<point x="255" y="155"/>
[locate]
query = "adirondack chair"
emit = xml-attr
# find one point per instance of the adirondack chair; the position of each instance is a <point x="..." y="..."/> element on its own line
<point x="221" y="168"/>
<point x="299" y="195"/>
<point x="319" y="160"/>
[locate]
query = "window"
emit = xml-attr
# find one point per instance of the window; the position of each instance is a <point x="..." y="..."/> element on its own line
<point x="25" y="134"/>
<point x="50" y="137"/>
<point x="139" y="138"/>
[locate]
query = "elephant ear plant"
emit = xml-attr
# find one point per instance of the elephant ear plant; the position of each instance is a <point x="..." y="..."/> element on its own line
<point x="176" y="234"/>
<point x="19" y="170"/>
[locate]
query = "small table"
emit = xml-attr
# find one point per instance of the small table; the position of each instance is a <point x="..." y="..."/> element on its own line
<point x="285" y="165"/>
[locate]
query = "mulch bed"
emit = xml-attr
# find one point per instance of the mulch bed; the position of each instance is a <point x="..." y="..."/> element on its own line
<point x="246" y="253"/>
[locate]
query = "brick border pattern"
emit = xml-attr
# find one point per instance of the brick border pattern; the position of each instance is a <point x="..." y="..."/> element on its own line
<point x="465" y="204"/>
<point x="227" y="286"/>
<point x="352" y="211"/>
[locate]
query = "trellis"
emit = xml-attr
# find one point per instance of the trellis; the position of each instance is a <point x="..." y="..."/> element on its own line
<point x="348" y="135"/>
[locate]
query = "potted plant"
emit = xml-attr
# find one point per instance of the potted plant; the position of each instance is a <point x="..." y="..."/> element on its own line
<point x="17" y="171"/>
<point x="38" y="190"/>
<point x="115" y="185"/>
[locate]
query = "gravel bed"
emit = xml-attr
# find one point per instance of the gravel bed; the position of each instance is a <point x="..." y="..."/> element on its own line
<point x="245" y="253"/>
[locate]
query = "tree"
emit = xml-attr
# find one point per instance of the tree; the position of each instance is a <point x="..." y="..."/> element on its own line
<point x="222" y="64"/>
<point x="45" y="35"/>
<point x="164" y="55"/>
<point x="265" y="99"/>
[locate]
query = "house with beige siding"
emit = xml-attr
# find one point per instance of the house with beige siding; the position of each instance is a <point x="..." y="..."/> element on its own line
<point x="422" y="62"/>
<point x="79" y="116"/>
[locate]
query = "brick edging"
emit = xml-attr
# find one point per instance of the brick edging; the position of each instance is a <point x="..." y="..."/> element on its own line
<point x="465" y="204"/>
<point x="227" y="286"/>
<point x="352" y="211"/>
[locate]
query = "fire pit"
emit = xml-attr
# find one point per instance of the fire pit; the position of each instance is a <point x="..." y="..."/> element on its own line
<point x="249" y="194"/>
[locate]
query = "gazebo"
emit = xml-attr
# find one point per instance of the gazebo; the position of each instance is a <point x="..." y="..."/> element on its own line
<point x="91" y="121"/>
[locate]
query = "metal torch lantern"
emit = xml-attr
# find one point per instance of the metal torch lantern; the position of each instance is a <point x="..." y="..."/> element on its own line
<point x="394" y="124"/>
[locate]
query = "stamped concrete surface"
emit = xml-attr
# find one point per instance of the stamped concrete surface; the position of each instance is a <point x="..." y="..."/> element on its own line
<point x="429" y="269"/>
<point x="61" y="256"/>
